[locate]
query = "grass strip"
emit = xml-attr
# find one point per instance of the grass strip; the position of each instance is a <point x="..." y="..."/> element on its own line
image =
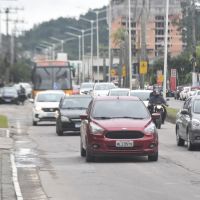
<point x="171" y="114"/>
<point x="3" y="121"/>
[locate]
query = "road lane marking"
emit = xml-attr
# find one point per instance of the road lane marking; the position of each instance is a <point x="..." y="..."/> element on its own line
<point x="14" y="173"/>
<point x="15" y="178"/>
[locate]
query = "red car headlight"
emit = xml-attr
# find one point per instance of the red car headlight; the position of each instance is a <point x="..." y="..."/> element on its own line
<point x="95" y="129"/>
<point x="150" y="129"/>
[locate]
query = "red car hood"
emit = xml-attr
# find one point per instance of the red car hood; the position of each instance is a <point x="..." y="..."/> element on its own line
<point x="124" y="124"/>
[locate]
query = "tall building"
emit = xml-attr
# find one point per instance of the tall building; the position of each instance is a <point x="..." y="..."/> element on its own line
<point x="153" y="13"/>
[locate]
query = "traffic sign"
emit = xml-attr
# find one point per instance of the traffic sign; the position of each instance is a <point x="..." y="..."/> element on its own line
<point x="124" y="71"/>
<point x="113" y="73"/>
<point x="143" y="67"/>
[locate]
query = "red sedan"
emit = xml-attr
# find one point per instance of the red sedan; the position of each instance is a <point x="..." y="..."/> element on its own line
<point x="118" y="126"/>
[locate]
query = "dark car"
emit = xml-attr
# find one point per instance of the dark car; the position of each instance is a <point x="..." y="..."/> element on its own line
<point x="188" y="123"/>
<point x="70" y="109"/>
<point x="9" y="95"/>
<point x="118" y="126"/>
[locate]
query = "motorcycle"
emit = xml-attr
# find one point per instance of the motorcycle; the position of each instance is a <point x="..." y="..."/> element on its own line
<point x="158" y="113"/>
<point x="22" y="98"/>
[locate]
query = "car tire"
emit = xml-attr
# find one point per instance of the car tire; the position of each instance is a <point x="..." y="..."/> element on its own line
<point x="83" y="152"/>
<point x="153" y="157"/>
<point x="158" y="123"/>
<point x="190" y="146"/>
<point x="59" y="131"/>
<point x="34" y="123"/>
<point x="179" y="140"/>
<point x="89" y="157"/>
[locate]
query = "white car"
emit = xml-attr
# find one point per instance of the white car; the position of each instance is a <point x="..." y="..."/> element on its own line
<point x="144" y="95"/>
<point x="102" y="89"/>
<point x="86" y="87"/>
<point x="196" y="93"/>
<point x="45" y="105"/>
<point x="119" y="92"/>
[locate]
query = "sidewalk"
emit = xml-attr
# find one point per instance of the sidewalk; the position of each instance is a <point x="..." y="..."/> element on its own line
<point x="7" y="191"/>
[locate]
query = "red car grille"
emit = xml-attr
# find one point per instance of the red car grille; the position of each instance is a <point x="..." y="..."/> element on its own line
<point x="124" y="135"/>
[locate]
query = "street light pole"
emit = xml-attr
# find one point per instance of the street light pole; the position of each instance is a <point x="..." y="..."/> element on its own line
<point x="79" y="43"/>
<point x="109" y="35"/>
<point x="97" y="22"/>
<point x="130" y="50"/>
<point x="92" y="35"/>
<point x="83" y="53"/>
<point x="92" y="39"/>
<point x="166" y="49"/>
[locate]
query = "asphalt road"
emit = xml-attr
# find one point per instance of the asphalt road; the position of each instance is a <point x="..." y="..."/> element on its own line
<point x="178" y="104"/>
<point x="50" y="167"/>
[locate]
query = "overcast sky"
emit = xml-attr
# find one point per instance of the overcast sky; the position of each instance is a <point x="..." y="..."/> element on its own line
<point x="37" y="11"/>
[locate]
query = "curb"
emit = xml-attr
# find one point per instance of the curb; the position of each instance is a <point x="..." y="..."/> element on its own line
<point x="11" y="158"/>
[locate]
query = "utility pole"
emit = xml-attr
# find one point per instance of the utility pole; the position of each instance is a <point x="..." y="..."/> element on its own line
<point x="8" y="10"/>
<point x="194" y="75"/>
<point x="166" y="49"/>
<point x="143" y="56"/>
<point x="7" y="57"/>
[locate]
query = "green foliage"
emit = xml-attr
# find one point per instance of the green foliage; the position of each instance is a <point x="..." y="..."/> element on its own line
<point x="21" y="71"/>
<point x="182" y="63"/>
<point x="119" y="36"/>
<point x="58" y="28"/>
<point x="3" y="121"/>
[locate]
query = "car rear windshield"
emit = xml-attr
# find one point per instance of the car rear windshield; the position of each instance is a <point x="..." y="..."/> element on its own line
<point x="118" y="93"/>
<point x="120" y="109"/>
<point x="144" y="96"/>
<point x="104" y="86"/>
<point x="87" y="85"/>
<point x="196" y="106"/>
<point x="76" y="103"/>
<point x="50" y="97"/>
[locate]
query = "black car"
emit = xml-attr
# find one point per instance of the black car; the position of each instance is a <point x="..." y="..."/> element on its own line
<point x="9" y="95"/>
<point x="69" y="111"/>
<point x="188" y="123"/>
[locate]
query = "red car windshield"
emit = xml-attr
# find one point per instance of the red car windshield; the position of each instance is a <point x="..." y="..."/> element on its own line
<point x="120" y="109"/>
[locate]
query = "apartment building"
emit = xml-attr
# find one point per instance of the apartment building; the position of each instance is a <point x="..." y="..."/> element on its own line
<point x="154" y="13"/>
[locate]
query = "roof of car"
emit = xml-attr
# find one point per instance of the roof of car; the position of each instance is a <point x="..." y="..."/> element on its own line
<point x="51" y="91"/>
<point x="119" y="89"/>
<point x="142" y="91"/>
<point x="78" y="96"/>
<point x="116" y="97"/>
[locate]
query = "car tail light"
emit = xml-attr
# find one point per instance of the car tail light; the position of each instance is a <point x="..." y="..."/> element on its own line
<point x="150" y="129"/>
<point x="95" y="129"/>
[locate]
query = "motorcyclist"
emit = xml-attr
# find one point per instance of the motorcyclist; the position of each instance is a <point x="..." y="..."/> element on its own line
<point x="22" y="94"/>
<point x="157" y="99"/>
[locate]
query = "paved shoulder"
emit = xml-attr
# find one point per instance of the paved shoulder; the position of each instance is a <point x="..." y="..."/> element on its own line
<point x="7" y="191"/>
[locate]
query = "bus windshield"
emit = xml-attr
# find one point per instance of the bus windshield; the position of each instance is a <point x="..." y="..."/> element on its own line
<point x="52" y="78"/>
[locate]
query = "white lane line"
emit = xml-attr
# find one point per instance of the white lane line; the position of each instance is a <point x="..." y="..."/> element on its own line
<point x="18" y="127"/>
<point x="7" y="133"/>
<point x="14" y="173"/>
<point x="15" y="178"/>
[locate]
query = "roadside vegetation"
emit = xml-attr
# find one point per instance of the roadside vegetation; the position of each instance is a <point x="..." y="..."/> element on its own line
<point x="171" y="114"/>
<point x="3" y="121"/>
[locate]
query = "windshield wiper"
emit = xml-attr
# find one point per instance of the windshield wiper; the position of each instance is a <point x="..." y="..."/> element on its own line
<point x="102" y="117"/>
<point x="126" y="117"/>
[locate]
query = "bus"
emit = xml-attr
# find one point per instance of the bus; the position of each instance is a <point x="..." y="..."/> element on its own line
<point x="52" y="75"/>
